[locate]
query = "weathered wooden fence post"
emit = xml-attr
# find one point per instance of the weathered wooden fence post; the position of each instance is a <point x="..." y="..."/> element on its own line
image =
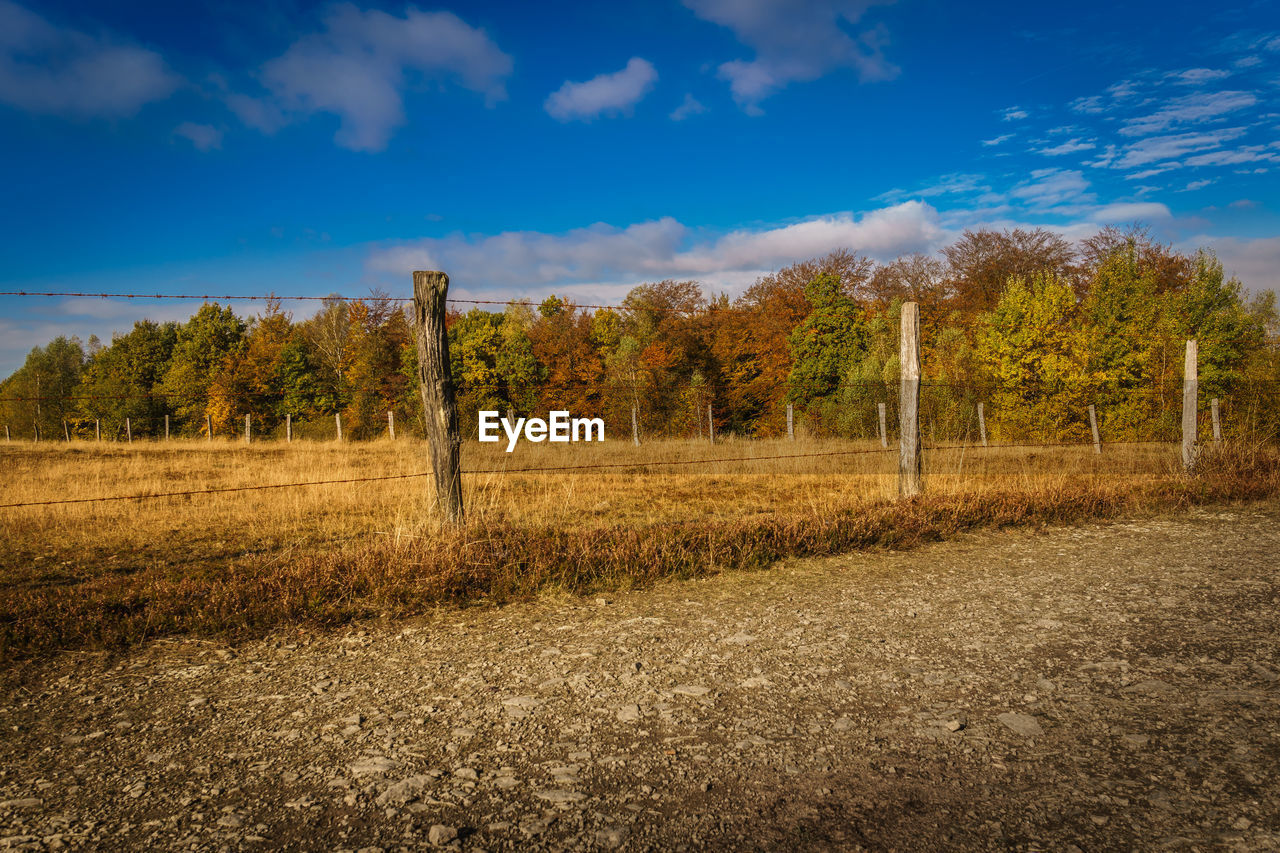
<point x="166" y="427"/>
<point x="435" y="383"/>
<point x="982" y="423"/>
<point x="6" y="434"/>
<point x="635" y="427"/>
<point x="128" y="430"/>
<point x="391" y="424"/>
<point x="882" y="411"/>
<point x="66" y="432"/>
<point x="337" y="422"/>
<point x="1093" y="426"/>
<point x="288" y="428"/>
<point x="1190" y="390"/>
<point x="711" y="424"/>
<point x="208" y="427"/>
<point x="1217" y="420"/>
<point x="791" y="423"/>
<point x="246" y="429"/>
<point x="97" y="429"/>
<point x="909" y="462"/>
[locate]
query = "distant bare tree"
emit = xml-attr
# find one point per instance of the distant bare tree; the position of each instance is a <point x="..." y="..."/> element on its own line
<point x="981" y="261"/>
<point x="916" y="277"/>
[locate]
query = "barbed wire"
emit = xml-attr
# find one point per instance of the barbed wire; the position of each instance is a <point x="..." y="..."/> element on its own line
<point x="558" y="468"/>
<point x="229" y="297"/>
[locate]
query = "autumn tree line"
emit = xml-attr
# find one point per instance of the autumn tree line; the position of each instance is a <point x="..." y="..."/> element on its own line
<point x="1032" y="325"/>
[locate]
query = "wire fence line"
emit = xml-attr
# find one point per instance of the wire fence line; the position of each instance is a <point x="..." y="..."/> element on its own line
<point x="554" y="469"/>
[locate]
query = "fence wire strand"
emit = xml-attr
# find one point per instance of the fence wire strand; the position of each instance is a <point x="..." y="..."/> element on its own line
<point x="554" y="468"/>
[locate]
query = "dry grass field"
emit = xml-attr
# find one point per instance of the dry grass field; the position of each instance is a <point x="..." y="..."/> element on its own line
<point x="113" y="573"/>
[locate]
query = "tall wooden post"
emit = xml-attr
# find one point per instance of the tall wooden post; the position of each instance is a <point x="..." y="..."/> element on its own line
<point x="1190" y="390"/>
<point x="208" y="427"/>
<point x="711" y="424"/>
<point x="635" y="427"/>
<point x="35" y="431"/>
<point x="246" y="429"/>
<point x="337" y="423"/>
<point x="288" y="428"/>
<point x="97" y="429"/>
<point x="6" y="434"/>
<point x="1093" y="426"/>
<point x="982" y="423"/>
<point x="66" y="432"/>
<point x="435" y="382"/>
<point x="1217" y="420"/>
<point x="391" y="424"/>
<point x="166" y="427"/>
<point x="791" y="423"/>
<point x="884" y="424"/>
<point x="909" y="462"/>
<point x="128" y="430"/>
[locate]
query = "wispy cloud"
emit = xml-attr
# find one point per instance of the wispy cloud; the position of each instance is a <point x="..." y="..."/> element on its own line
<point x="997" y="140"/>
<point x="1053" y="188"/>
<point x="796" y="42"/>
<point x="1070" y="147"/>
<point x="1013" y="114"/>
<point x="63" y="72"/>
<point x="605" y="94"/>
<point x="1198" y="76"/>
<point x="1155" y="149"/>
<point x="203" y="136"/>
<point x="690" y="106"/>
<point x="358" y="67"/>
<point x="1189" y="109"/>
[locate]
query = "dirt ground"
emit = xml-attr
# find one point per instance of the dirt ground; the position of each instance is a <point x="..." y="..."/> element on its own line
<point x="1106" y="687"/>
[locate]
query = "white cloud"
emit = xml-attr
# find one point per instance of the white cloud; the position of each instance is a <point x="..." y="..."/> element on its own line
<point x="62" y="72"/>
<point x="1189" y="109"/>
<point x="953" y="184"/>
<point x="1147" y="173"/>
<point x="1155" y="149"/>
<point x="1145" y="211"/>
<point x="796" y="42"/>
<point x="659" y="249"/>
<point x="1002" y="138"/>
<point x="1244" y="154"/>
<point x="690" y="106"/>
<point x="1196" y="76"/>
<point x="1069" y="147"/>
<point x="1196" y="185"/>
<point x="1091" y="105"/>
<point x="1050" y="188"/>
<point x="614" y="93"/>
<point x="1255" y="262"/>
<point x="359" y="66"/>
<point x="204" y="137"/>
<point x="1013" y="114"/>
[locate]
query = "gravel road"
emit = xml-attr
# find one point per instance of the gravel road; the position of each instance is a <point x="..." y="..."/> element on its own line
<point x="1109" y="686"/>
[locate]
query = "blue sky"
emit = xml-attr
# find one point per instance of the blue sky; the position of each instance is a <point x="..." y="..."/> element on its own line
<point x="582" y="148"/>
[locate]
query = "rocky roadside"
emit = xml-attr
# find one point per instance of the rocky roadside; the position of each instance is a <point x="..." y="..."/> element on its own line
<point x="1111" y="686"/>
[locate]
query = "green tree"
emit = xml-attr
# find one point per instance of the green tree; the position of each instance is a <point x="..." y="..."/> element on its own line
<point x="202" y="346"/>
<point x="831" y="340"/>
<point x="1033" y="348"/>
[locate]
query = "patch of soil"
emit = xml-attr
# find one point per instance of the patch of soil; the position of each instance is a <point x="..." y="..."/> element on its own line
<point x="1109" y="686"/>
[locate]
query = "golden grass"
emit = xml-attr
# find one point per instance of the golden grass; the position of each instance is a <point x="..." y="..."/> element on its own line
<point x="115" y="573"/>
